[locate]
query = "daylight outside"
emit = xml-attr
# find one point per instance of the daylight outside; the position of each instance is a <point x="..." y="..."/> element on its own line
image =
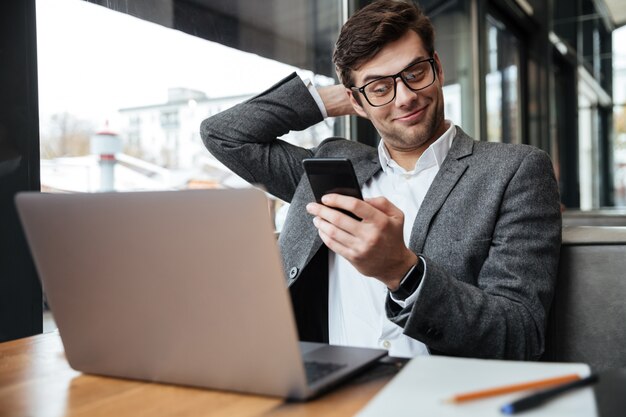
<point x="122" y="100"/>
<point x="619" y="114"/>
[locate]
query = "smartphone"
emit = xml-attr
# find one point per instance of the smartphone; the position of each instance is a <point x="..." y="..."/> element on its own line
<point x="332" y="175"/>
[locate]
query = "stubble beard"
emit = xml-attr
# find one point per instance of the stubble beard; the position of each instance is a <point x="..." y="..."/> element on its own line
<point x="407" y="138"/>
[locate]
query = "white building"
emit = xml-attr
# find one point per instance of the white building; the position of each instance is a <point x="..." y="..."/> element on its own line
<point x="168" y="134"/>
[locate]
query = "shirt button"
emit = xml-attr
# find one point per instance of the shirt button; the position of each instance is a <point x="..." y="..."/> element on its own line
<point x="386" y="344"/>
<point x="293" y="272"/>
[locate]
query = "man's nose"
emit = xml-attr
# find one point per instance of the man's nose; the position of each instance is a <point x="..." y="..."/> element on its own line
<point x="404" y="95"/>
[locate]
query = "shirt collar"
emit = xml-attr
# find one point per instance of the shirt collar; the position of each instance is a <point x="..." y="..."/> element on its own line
<point x="435" y="154"/>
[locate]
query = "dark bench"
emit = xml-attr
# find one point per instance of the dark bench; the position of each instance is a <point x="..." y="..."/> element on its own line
<point x="587" y="321"/>
<point x="603" y="217"/>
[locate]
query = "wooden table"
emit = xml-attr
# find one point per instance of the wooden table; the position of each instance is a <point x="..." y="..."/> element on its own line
<point x="36" y="380"/>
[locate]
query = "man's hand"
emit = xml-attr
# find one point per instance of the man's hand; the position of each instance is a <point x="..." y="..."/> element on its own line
<point x="336" y="100"/>
<point x="374" y="245"/>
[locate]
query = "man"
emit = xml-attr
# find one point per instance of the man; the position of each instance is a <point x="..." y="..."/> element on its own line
<point x="458" y="246"/>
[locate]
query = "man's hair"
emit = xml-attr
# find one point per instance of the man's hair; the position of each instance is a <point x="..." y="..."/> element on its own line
<point x="373" y="27"/>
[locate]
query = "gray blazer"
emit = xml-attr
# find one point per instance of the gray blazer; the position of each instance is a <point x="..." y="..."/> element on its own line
<point x="489" y="228"/>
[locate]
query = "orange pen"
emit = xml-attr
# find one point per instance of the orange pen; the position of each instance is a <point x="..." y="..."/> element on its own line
<point x="506" y="389"/>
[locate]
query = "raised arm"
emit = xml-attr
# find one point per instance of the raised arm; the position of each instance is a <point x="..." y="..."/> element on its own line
<point x="244" y="137"/>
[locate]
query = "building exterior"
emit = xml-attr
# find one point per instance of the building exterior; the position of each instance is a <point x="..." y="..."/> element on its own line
<point x="168" y="134"/>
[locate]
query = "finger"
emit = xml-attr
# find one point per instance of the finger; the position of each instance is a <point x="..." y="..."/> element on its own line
<point x="354" y="205"/>
<point x="333" y="216"/>
<point x="336" y="246"/>
<point x="334" y="233"/>
<point x="313" y="208"/>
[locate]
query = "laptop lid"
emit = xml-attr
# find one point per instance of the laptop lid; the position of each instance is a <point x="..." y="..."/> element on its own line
<point x="183" y="287"/>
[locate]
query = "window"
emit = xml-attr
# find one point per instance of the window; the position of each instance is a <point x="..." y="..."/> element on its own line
<point x="148" y="86"/>
<point x="112" y="83"/>
<point x="619" y="114"/>
<point x="502" y="81"/>
<point x="169" y="120"/>
<point x="453" y="42"/>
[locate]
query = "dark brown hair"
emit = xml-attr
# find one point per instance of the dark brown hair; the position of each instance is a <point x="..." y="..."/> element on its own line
<point x="374" y="26"/>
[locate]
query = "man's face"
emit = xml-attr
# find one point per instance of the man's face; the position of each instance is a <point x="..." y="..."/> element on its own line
<point x="415" y="119"/>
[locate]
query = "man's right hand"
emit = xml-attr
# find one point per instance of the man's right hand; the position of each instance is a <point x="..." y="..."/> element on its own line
<point x="336" y="100"/>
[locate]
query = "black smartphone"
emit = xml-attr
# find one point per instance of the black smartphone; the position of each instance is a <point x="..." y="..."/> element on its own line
<point x="332" y="175"/>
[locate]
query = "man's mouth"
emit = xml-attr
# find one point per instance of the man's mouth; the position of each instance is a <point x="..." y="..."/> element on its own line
<point x="412" y="116"/>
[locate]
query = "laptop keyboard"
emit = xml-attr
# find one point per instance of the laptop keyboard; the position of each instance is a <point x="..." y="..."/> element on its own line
<point x="317" y="370"/>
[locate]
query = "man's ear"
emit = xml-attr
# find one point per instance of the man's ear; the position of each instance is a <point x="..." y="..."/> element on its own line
<point x="439" y="69"/>
<point x="356" y="103"/>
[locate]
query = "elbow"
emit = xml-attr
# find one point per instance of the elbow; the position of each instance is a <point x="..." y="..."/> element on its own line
<point x="206" y="131"/>
<point x="210" y="134"/>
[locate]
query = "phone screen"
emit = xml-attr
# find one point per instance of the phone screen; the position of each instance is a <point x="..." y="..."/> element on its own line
<point x="332" y="175"/>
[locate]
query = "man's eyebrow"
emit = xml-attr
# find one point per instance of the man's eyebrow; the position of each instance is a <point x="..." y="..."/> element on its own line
<point x="372" y="77"/>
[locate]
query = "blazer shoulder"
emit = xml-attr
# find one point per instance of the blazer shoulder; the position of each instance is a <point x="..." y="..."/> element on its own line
<point x="508" y="151"/>
<point x="344" y="148"/>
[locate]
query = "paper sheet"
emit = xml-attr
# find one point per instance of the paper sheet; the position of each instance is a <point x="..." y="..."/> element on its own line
<point x="422" y="386"/>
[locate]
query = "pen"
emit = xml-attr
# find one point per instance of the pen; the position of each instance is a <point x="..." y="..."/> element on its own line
<point x="542" y="383"/>
<point x="539" y="398"/>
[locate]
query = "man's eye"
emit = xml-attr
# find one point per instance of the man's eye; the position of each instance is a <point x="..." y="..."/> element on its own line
<point x="379" y="88"/>
<point x="415" y="74"/>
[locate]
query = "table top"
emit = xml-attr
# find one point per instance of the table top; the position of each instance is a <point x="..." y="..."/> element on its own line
<point x="36" y="380"/>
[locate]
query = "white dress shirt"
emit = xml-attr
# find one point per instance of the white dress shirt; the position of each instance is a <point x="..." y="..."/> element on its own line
<point x="356" y="303"/>
<point x="356" y="308"/>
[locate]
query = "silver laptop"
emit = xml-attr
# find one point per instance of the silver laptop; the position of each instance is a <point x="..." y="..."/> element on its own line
<point x="182" y="287"/>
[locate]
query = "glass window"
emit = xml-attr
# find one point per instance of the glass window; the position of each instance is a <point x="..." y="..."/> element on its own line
<point x="115" y="84"/>
<point x="619" y="114"/>
<point x="131" y="89"/>
<point x="502" y="81"/>
<point x="453" y="42"/>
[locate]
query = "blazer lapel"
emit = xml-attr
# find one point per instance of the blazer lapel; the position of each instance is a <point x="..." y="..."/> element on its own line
<point x="451" y="170"/>
<point x="366" y="168"/>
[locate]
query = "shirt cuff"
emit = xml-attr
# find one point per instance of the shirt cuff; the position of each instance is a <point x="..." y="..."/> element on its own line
<point x="412" y="296"/>
<point x="316" y="96"/>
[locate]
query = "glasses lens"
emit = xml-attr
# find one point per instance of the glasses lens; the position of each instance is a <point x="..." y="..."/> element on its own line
<point x="380" y="91"/>
<point x="419" y="76"/>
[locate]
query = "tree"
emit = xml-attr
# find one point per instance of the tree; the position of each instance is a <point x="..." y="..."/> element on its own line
<point x="66" y="135"/>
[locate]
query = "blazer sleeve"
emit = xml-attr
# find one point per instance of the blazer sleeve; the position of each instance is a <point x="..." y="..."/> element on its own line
<point x="502" y="313"/>
<point x="244" y="137"/>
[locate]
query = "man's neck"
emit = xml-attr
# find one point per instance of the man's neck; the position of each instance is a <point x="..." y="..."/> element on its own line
<point x="407" y="158"/>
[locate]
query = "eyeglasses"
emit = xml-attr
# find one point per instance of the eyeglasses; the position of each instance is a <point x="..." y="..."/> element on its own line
<point x="382" y="91"/>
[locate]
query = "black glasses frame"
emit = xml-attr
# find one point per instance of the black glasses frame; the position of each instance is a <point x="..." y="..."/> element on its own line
<point x="361" y="89"/>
